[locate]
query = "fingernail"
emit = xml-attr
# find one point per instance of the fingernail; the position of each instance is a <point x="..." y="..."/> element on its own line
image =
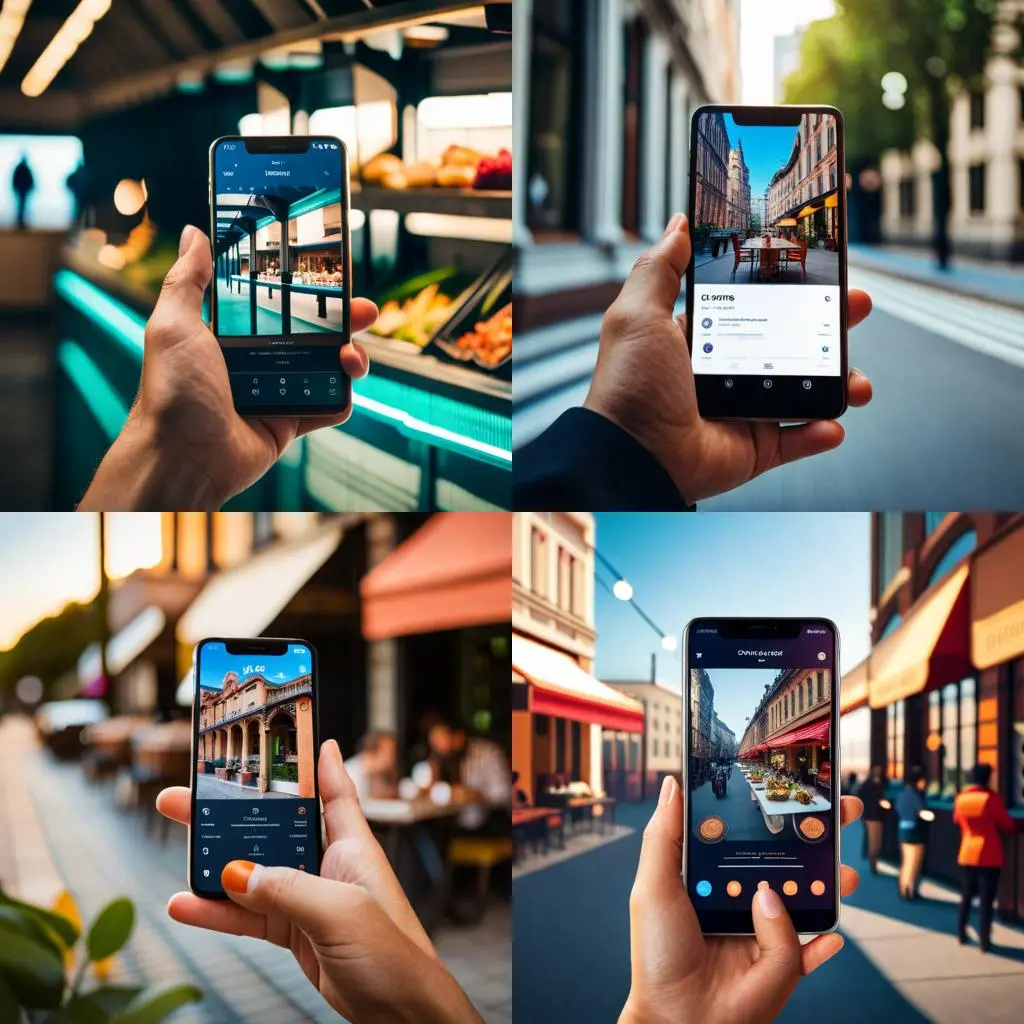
<point x="186" y="237"/>
<point x="673" y="224"/>
<point x="668" y="791"/>
<point x="771" y="905"/>
<point x="240" y="875"/>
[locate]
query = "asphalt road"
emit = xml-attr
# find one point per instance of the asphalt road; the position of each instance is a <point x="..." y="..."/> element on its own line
<point x="946" y="427"/>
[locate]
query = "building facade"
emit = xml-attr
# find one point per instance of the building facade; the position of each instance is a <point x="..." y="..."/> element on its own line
<point x="663" y="731"/>
<point x="713" y="183"/>
<point x="786" y="60"/>
<point x="603" y="93"/>
<point x="805" y="189"/>
<point x="943" y="687"/>
<point x="558" y="708"/>
<point x="986" y="154"/>
<point x="723" y="746"/>
<point x="739" y="188"/>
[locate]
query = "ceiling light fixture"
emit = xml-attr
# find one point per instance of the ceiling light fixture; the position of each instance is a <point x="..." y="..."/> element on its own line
<point x="63" y="45"/>
<point x="12" y="18"/>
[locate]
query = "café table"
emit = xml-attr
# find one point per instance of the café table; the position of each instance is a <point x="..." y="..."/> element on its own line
<point x="415" y="835"/>
<point x="775" y="811"/>
<point x="776" y="246"/>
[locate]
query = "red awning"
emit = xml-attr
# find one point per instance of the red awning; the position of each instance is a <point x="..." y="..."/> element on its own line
<point x="455" y="571"/>
<point x="817" y="732"/>
<point x="559" y="687"/>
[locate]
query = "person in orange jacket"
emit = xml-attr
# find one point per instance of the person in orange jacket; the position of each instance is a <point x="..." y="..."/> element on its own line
<point x="981" y="815"/>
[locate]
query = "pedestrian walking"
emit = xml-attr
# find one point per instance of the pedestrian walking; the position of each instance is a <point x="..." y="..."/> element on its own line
<point x="981" y="815"/>
<point x="22" y="182"/>
<point x="871" y="792"/>
<point x="909" y="804"/>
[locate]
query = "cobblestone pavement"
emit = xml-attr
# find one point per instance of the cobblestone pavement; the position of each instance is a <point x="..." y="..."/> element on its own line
<point x="68" y="832"/>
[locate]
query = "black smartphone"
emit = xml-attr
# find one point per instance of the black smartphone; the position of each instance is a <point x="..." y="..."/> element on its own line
<point x="254" y="748"/>
<point x="766" y="289"/>
<point x="761" y="770"/>
<point x="281" y="298"/>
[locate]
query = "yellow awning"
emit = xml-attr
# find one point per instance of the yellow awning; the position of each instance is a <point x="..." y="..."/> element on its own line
<point x="853" y="690"/>
<point x="930" y="647"/>
<point x="808" y="210"/>
<point x="832" y="201"/>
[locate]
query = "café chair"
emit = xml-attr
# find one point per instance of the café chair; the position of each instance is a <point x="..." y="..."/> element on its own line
<point x="742" y="255"/>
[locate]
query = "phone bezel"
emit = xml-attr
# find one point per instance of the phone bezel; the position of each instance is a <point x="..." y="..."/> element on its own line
<point x="806" y="922"/>
<point x="786" y="400"/>
<point x="295" y="144"/>
<point x="254" y="642"/>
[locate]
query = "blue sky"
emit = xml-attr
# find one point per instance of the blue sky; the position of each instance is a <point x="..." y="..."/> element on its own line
<point x="729" y="563"/>
<point x="766" y="148"/>
<point x="737" y="691"/>
<point x="216" y="663"/>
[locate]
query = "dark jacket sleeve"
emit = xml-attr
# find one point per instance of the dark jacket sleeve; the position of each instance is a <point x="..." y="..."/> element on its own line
<point x="585" y="462"/>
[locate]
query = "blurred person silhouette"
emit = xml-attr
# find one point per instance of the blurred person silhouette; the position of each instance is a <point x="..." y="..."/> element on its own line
<point x="351" y="928"/>
<point x="374" y="770"/>
<point x="184" y="446"/>
<point x="79" y="184"/>
<point x="681" y="975"/>
<point x="981" y="815"/>
<point x="871" y="793"/>
<point x="638" y="442"/>
<point x="913" y="833"/>
<point x="23" y="182"/>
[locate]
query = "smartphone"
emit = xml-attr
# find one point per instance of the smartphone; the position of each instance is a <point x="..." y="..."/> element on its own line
<point x="761" y="770"/>
<point x="281" y="297"/>
<point x="766" y="289"/>
<point x="254" y="744"/>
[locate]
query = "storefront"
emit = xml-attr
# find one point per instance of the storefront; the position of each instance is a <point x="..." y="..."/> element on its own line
<point x="439" y="607"/>
<point x="997" y="647"/>
<point x="559" y="715"/>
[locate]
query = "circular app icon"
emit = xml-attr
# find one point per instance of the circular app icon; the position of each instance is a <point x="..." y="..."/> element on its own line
<point x="703" y="888"/>
<point x="818" y="888"/>
<point x="728" y="382"/>
<point x="734" y="888"/>
<point x="807" y="385"/>
<point x="707" y="322"/>
<point x="708" y="346"/>
<point x="790" y="888"/>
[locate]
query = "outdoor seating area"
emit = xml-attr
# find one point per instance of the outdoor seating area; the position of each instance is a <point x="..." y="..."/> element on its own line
<point x="771" y="256"/>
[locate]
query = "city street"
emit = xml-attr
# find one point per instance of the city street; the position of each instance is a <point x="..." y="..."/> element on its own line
<point x="822" y="268"/>
<point x="901" y="962"/>
<point x="209" y="787"/>
<point x="742" y="814"/>
<point x="67" y="833"/>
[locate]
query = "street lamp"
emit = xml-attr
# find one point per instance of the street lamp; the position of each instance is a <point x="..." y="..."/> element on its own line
<point x="622" y="590"/>
<point x="669" y="643"/>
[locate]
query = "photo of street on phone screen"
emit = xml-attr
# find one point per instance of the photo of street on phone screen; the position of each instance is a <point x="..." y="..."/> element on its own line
<point x="766" y="246"/>
<point x="279" y="256"/>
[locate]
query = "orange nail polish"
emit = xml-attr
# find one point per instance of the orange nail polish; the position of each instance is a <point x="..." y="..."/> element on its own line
<point x="235" y="876"/>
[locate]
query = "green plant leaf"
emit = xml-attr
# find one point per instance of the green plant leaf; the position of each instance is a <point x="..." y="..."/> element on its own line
<point x="34" y="971"/>
<point x="30" y="926"/>
<point x="9" y="1009"/>
<point x="110" y="931"/>
<point x="99" y="1005"/>
<point x="57" y="922"/>
<point x="157" y="1002"/>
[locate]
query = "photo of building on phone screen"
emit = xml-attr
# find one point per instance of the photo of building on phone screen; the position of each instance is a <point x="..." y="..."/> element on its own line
<point x="255" y="735"/>
<point x="279" y="254"/>
<point x="760" y="765"/>
<point x="766" y="202"/>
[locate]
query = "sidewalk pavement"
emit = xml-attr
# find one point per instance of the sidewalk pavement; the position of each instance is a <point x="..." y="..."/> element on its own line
<point x="993" y="282"/>
<point x="69" y="834"/>
<point x="901" y="962"/>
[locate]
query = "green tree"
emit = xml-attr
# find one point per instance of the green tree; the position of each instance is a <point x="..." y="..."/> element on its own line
<point x="942" y="47"/>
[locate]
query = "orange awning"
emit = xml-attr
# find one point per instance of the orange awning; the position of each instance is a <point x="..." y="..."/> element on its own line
<point x="455" y="571"/>
<point x="929" y="648"/>
<point x="853" y="690"/>
<point x="832" y="201"/>
<point x="561" y="688"/>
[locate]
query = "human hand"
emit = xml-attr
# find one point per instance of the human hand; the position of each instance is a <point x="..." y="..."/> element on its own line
<point x="644" y="383"/>
<point x="679" y="974"/>
<point x="352" y="930"/>
<point x="184" y="442"/>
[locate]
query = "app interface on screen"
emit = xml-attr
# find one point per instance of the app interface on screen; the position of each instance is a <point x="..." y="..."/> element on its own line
<point x="766" y="238"/>
<point x="761" y="804"/>
<point x="279" y="260"/>
<point x="255" y="791"/>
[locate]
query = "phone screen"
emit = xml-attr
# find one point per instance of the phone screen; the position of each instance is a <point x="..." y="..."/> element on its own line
<point x="281" y="289"/>
<point x="767" y="285"/>
<point x="762" y="778"/>
<point x="254" y="738"/>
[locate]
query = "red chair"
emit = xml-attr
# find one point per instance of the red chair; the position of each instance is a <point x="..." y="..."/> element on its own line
<point x="741" y="255"/>
<point x="792" y="256"/>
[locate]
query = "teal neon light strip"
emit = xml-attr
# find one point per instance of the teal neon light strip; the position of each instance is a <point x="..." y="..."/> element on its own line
<point x="315" y="201"/>
<point x="441" y="421"/>
<point x="100" y="398"/>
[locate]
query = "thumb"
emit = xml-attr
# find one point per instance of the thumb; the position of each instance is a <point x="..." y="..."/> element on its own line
<point x="187" y="280"/>
<point x="656" y="277"/>
<point x="318" y="906"/>
<point x="779" y="965"/>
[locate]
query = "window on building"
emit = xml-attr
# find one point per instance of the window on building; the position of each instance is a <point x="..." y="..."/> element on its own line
<point x="908" y="197"/>
<point x="556" y="117"/>
<point x="635" y="34"/>
<point x="832" y="176"/>
<point x="953" y="712"/>
<point x="856" y="742"/>
<point x="792" y="704"/>
<point x="634" y="752"/>
<point x="539" y="563"/>
<point x="800" y="698"/>
<point x="977" y="188"/>
<point x="565" y="581"/>
<point x="821" y="686"/>
<point x="890" y="547"/>
<point x="977" y="109"/>
<point x="578" y="607"/>
<point x="831" y="135"/>
<point x="955" y="553"/>
<point x="810" y="690"/>
<point x="894" y="737"/>
<point x="654" y="747"/>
